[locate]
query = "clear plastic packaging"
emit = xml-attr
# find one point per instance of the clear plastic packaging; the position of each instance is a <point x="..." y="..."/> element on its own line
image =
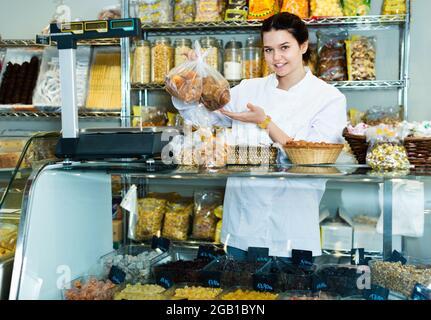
<point x="394" y="7"/>
<point x="356" y="7"/>
<point x="205" y="220"/>
<point x="151" y="211"/>
<point x="47" y="92"/>
<point x="104" y="84"/>
<point x="383" y="115"/>
<point x="298" y="7"/>
<point x="184" y="11"/>
<point x="110" y="12"/>
<point x="177" y="220"/>
<point x="155" y="11"/>
<point x="386" y="151"/>
<point x="195" y="81"/>
<point x="361" y="58"/>
<point x="141" y="70"/>
<point x="236" y="10"/>
<point x="332" y="56"/>
<point x="262" y="9"/>
<point x="162" y="59"/>
<point x="326" y="8"/>
<point x="19" y="75"/>
<point x="208" y="10"/>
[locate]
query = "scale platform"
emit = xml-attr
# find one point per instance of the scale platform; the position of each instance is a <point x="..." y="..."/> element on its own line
<point x="112" y="143"/>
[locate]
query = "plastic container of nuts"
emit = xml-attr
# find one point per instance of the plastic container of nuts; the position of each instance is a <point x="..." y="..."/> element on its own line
<point x="135" y="260"/>
<point x="401" y="278"/>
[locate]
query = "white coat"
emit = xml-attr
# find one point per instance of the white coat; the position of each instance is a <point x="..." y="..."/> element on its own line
<point x="277" y="214"/>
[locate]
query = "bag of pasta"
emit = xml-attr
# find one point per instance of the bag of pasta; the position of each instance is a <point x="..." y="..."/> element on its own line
<point x="205" y="220"/>
<point x="209" y="10"/>
<point x="298" y="7"/>
<point x="332" y="56"/>
<point x="177" y="220"/>
<point x="394" y="7"/>
<point x="262" y="9"/>
<point x="386" y="151"/>
<point x="151" y="211"/>
<point x="195" y="81"/>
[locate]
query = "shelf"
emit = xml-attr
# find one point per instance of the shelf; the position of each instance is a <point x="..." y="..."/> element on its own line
<point x="235" y="26"/>
<point x="347" y="85"/>
<point x="50" y="115"/>
<point x="32" y="43"/>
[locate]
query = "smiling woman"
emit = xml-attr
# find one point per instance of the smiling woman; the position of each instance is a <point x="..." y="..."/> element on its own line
<point x="290" y="104"/>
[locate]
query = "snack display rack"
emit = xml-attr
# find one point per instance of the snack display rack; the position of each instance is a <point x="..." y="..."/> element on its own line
<point x="361" y="23"/>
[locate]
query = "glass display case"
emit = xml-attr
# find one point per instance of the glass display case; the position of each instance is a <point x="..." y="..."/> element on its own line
<point x="68" y="215"/>
<point x="19" y="156"/>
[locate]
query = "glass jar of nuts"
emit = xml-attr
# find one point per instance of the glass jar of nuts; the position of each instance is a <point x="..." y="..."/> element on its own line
<point x="251" y="59"/>
<point x="141" y="70"/>
<point x="211" y="45"/>
<point x="182" y="47"/>
<point x="162" y="59"/>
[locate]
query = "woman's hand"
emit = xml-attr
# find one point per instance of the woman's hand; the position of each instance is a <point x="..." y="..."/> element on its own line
<point x="255" y="115"/>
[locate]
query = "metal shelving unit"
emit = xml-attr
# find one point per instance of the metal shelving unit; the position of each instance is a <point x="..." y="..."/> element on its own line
<point x="32" y="43"/>
<point x="55" y="115"/>
<point x="374" y="22"/>
<point x="348" y="85"/>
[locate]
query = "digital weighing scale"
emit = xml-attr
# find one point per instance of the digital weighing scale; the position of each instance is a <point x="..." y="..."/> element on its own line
<point x="95" y="144"/>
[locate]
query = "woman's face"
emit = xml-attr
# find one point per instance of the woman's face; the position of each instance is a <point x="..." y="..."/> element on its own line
<point x="282" y="52"/>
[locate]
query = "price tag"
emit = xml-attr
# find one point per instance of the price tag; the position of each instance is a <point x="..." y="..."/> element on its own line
<point x="264" y="282"/>
<point x="376" y="293"/>
<point x="165" y="279"/>
<point x="209" y="252"/>
<point x="211" y="279"/>
<point x="319" y="283"/>
<point x="256" y="254"/>
<point x="302" y="257"/>
<point x="116" y="275"/>
<point x="421" y="292"/>
<point x="397" y="257"/>
<point x="160" y="243"/>
<point x="357" y="257"/>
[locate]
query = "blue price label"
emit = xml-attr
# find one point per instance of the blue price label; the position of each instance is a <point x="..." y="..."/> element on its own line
<point x="264" y="287"/>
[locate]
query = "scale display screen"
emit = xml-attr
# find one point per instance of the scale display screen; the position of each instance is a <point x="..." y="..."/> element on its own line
<point x="99" y="26"/>
<point x="126" y="25"/>
<point x="74" y="27"/>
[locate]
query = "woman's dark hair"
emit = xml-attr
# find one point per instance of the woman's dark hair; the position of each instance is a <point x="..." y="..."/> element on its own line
<point x="292" y="24"/>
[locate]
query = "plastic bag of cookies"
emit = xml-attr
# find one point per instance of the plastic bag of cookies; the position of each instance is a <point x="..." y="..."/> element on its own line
<point x="195" y="81"/>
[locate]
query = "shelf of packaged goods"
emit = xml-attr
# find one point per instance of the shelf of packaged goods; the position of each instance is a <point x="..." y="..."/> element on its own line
<point x="347" y="85"/>
<point x="370" y="21"/>
<point x="32" y="43"/>
<point x="47" y="115"/>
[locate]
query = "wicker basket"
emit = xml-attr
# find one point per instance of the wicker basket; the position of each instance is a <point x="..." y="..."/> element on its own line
<point x="300" y="154"/>
<point x="313" y="170"/>
<point x="251" y="155"/>
<point x="418" y="149"/>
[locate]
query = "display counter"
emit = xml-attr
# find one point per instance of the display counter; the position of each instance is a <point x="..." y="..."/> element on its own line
<point x="67" y="213"/>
